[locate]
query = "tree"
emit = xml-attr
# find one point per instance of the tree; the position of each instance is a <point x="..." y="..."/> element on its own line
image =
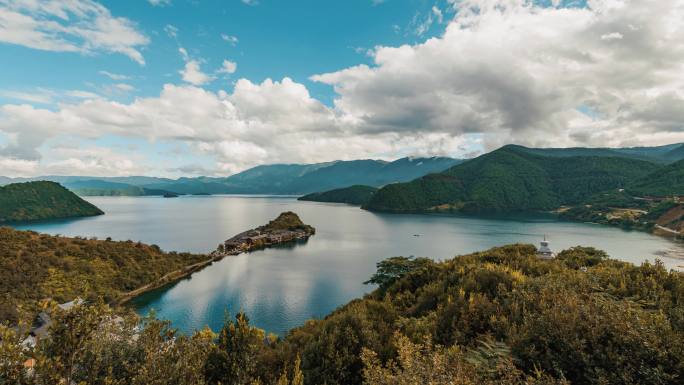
<point x="391" y="269"/>
<point x="233" y="361"/>
<point x="12" y="358"/>
<point x="69" y="334"/>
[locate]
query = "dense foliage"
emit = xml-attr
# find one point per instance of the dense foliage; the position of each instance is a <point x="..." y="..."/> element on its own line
<point x="287" y="221"/>
<point x="38" y="266"/>
<point x="659" y="154"/>
<point x="511" y="179"/>
<point x="32" y="201"/>
<point x="355" y="195"/>
<point x="496" y="317"/>
<point x="668" y="180"/>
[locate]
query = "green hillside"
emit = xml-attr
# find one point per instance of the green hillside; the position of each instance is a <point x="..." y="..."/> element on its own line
<point x="497" y="317"/>
<point x="668" y="180"/>
<point x="38" y="266"/>
<point x="511" y="179"/>
<point x="32" y="201"/>
<point x="355" y="195"/>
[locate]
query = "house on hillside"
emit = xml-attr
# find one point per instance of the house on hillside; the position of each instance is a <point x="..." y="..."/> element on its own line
<point x="42" y="322"/>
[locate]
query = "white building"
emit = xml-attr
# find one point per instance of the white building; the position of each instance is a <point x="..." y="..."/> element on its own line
<point x="544" y="251"/>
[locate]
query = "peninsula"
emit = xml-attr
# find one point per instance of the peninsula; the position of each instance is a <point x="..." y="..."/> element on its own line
<point x="284" y="229"/>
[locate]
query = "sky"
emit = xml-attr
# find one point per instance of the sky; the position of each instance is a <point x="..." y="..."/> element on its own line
<point x="212" y="87"/>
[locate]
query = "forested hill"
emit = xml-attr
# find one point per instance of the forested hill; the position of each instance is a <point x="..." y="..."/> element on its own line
<point x="497" y="317"/>
<point x="511" y="179"/>
<point x="32" y="201"/>
<point x="668" y="180"/>
<point x="38" y="266"/>
<point x="659" y="154"/>
<point x="355" y="195"/>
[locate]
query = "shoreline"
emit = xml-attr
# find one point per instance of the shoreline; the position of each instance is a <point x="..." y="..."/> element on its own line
<point x="168" y="278"/>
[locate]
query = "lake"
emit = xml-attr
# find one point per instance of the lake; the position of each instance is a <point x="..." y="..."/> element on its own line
<point x="280" y="288"/>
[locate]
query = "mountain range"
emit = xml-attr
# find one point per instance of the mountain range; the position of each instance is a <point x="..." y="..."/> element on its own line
<point x="277" y="179"/>
<point x="301" y="179"/>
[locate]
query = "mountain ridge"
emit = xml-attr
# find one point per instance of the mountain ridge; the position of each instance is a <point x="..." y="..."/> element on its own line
<point x="511" y="178"/>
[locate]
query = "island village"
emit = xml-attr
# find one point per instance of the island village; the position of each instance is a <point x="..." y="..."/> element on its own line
<point x="286" y="228"/>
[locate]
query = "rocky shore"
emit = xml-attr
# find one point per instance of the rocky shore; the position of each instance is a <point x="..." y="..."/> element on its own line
<point x="284" y="229"/>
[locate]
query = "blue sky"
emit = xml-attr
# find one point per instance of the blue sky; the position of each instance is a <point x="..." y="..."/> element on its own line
<point x="270" y="39"/>
<point x="189" y="87"/>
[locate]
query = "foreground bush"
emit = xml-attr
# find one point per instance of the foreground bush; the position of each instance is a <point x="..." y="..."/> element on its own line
<point x="497" y="317"/>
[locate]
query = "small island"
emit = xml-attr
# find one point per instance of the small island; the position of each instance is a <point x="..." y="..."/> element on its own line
<point x="40" y="201"/>
<point x="284" y="229"/>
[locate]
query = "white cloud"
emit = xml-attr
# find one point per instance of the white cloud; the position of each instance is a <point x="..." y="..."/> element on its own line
<point x="184" y="53"/>
<point x="46" y="96"/>
<point x="438" y="14"/>
<point x="272" y="121"/>
<point x="250" y="2"/>
<point x="38" y="96"/>
<point x="171" y="30"/>
<point x="114" y="76"/>
<point x="94" y="161"/>
<point x="82" y="26"/>
<point x="515" y="72"/>
<point x="612" y="36"/>
<point x="13" y="167"/>
<point x="233" y="40"/>
<point x="193" y="74"/>
<point x="124" y="87"/>
<point x="81" y="94"/>
<point x="228" y="67"/>
<point x="503" y="71"/>
<point x="159" y="3"/>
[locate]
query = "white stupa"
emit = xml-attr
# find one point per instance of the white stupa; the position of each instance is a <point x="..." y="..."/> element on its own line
<point x="544" y="251"/>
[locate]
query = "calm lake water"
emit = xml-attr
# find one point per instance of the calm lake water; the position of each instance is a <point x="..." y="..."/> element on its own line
<point x="280" y="288"/>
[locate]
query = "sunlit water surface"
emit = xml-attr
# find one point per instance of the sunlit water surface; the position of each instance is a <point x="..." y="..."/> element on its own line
<point x="282" y="287"/>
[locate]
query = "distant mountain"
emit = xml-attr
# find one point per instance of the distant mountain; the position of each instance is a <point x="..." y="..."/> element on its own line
<point x="269" y="179"/>
<point x="668" y="180"/>
<point x="297" y="179"/>
<point x="355" y="195"/>
<point x="512" y="178"/>
<point x="32" y="201"/>
<point x="277" y="179"/>
<point x="304" y="179"/>
<point x="106" y="188"/>
<point x="66" y="180"/>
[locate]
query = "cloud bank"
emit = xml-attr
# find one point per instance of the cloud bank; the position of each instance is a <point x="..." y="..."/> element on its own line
<point x="609" y="74"/>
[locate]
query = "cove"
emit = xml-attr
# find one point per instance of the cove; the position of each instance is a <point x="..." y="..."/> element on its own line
<point x="280" y="288"/>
